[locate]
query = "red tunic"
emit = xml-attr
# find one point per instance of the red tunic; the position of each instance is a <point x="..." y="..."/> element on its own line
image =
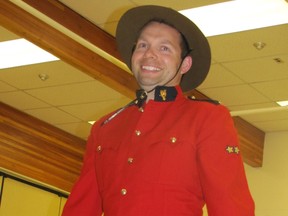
<point x="169" y="159"/>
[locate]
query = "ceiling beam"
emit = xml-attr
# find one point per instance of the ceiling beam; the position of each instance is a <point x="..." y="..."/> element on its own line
<point x="54" y="41"/>
<point x="64" y="47"/>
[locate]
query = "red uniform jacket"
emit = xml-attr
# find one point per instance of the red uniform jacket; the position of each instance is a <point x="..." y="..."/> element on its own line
<point x="169" y="158"/>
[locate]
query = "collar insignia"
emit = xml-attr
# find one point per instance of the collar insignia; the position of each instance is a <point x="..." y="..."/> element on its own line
<point x="165" y="93"/>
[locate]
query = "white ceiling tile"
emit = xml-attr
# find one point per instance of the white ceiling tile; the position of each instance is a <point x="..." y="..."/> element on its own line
<point x="4" y="87"/>
<point x="219" y="76"/>
<point x="21" y="100"/>
<point x="266" y="116"/>
<point x="235" y="95"/>
<point x="6" y="35"/>
<point x="93" y="111"/>
<point x="27" y="77"/>
<point x="109" y="27"/>
<point x="262" y="69"/>
<point x="105" y="11"/>
<point x="272" y="126"/>
<point x="80" y="129"/>
<point x="52" y="115"/>
<point x="276" y="90"/>
<point x="85" y="92"/>
<point x="239" y="46"/>
<point x="248" y="107"/>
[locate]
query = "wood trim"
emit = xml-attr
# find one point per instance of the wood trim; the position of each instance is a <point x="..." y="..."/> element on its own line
<point x="77" y="24"/>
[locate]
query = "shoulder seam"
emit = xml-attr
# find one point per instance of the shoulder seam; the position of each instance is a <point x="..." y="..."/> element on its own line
<point x="204" y="100"/>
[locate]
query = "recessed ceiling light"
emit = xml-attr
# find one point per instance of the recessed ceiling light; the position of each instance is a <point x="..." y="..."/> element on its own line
<point x="259" y="45"/>
<point x="21" y="52"/>
<point x="282" y="103"/>
<point x="43" y="77"/>
<point x="238" y="15"/>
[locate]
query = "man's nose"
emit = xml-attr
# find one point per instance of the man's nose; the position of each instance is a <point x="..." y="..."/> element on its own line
<point x="150" y="53"/>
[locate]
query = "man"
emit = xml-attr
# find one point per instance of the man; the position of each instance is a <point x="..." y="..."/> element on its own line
<point x="162" y="154"/>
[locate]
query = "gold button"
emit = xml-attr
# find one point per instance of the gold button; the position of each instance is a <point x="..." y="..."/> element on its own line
<point x="99" y="148"/>
<point x="173" y="139"/>
<point x="138" y="132"/>
<point x="130" y="160"/>
<point x="141" y="109"/>
<point x="123" y="191"/>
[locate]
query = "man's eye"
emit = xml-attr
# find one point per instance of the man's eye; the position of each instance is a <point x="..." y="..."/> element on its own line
<point x="164" y="48"/>
<point x="141" y="45"/>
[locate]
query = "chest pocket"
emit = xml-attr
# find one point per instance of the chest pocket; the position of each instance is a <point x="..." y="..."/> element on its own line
<point x="108" y="148"/>
<point x="168" y="160"/>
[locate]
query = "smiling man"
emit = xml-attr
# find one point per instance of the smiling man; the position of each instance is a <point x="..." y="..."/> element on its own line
<point x="157" y="60"/>
<point x="163" y="154"/>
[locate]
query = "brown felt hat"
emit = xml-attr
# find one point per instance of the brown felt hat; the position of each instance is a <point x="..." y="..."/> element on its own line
<point x="133" y="20"/>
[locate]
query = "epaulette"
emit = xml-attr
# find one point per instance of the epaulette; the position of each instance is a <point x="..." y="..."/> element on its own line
<point x="204" y="100"/>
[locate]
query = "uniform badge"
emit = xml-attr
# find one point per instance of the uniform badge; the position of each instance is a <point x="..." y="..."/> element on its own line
<point x="163" y="94"/>
<point x="232" y="149"/>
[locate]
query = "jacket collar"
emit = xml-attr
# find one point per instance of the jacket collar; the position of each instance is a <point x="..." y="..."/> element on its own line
<point x="161" y="94"/>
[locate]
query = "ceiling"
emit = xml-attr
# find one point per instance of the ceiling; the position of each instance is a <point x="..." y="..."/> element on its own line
<point x="246" y="80"/>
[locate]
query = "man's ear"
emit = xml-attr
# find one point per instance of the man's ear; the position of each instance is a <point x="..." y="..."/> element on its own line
<point x="186" y="64"/>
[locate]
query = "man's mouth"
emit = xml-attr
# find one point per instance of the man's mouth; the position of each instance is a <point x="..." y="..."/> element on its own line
<point x="150" y="68"/>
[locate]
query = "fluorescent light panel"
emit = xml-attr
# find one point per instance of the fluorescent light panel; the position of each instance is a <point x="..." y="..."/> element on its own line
<point x="21" y="52"/>
<point x="238" y="15"/>
<point x="282" y="103"/>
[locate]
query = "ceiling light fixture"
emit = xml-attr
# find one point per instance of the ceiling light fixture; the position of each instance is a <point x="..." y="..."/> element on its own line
<point x="21" y="52"/>
<point x="259" y="45"/>
<point x="43" y="77"/>
<point x="238" y="15"/>
<point x="282" y="103"/>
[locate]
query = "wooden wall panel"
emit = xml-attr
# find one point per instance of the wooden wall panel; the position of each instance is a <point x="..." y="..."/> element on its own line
<point x="38" y="150"/>
<point x="251" y="142"/>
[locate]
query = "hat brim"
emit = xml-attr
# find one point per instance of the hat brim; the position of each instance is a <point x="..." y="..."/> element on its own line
<point x="134" y="19"/>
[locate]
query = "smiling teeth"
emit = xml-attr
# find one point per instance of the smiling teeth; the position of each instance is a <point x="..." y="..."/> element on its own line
<point x="151" y="68"/>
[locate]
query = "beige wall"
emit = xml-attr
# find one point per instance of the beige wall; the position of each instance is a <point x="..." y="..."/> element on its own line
<point x="269" y="184"/>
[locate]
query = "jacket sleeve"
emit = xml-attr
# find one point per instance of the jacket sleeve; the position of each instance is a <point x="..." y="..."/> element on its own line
<point x="85" y="199"/>
<point x="221" y="168"/>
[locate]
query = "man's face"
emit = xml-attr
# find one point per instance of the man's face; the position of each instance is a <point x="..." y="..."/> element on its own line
<point x="157" y="56"/>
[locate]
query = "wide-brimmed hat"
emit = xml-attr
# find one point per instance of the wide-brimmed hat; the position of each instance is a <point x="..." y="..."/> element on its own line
<point x="133" y="20"/>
